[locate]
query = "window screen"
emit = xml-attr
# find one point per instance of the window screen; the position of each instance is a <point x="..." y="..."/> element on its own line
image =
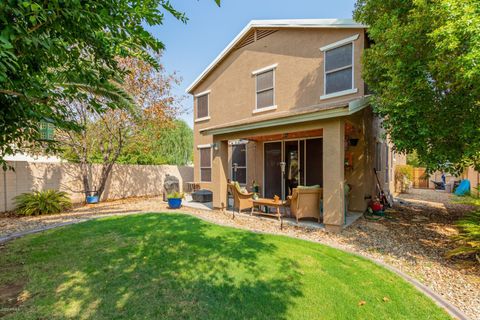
<point x="265" y="89"/>
<point x="339" y="69"/>
<point x="239" y="157"/>
<point x="202" y="106"/>
<point x="206" y="164"/>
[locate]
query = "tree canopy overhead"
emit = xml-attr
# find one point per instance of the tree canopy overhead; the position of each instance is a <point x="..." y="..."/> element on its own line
<point x="59" y="50"/>
<point x="423" y="66"/>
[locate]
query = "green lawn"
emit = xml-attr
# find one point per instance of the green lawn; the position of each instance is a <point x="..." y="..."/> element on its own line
<point x="173" y="266"/>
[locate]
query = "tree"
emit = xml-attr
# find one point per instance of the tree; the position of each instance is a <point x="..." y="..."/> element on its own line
<point x="170" y="145"/>
<point x="103" y="135"/>
<point x="59" y="50"/>
<point x="423" y="66"/>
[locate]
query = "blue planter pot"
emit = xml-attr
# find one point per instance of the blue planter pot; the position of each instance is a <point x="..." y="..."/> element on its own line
<point x="174" y="203"/>
<point x="92" y="199"/>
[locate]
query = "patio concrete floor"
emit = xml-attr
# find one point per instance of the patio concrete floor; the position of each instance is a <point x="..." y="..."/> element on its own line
<point x="350" y="219"/>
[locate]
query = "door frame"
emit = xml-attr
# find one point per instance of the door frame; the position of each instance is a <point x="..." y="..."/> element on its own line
<point x="283" y="159"/>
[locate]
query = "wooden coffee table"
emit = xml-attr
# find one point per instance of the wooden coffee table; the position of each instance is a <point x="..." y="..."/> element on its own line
<point x="268" y="203"/>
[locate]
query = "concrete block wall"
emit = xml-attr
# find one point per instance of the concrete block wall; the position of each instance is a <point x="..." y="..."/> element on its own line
<point x="125" y="180"/>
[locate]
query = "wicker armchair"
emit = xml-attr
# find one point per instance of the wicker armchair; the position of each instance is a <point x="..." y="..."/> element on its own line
<point x="305" y="203"/>
<point x="241" y="200"/>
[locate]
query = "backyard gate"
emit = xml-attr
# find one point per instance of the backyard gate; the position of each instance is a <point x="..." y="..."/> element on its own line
<point x="420" y="179"/>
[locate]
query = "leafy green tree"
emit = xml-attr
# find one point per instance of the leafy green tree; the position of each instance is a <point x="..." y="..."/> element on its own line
<point x="169" y="145"/>
<point x="423" y="65"/>
<point x="61" y="50"/>
<point x="412" y="160"/>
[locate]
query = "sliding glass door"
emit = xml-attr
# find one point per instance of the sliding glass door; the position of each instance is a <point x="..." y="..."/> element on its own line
<point x="272" y="172"/>
<point x="314" y="162"/>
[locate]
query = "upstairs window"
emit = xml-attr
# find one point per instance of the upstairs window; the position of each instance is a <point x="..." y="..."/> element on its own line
<point x="338" y="68"/>
<point x="265" y="88"/>
<point x="202" y="106"/>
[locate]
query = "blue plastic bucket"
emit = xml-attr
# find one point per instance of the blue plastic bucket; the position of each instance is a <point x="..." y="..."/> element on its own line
<point x="174" y="203"/>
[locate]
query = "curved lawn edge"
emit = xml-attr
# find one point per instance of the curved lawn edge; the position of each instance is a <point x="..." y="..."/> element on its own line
<point x="438" y="299"/>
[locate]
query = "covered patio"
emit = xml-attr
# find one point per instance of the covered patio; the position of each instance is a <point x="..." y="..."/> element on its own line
<point x="328" y="147"/>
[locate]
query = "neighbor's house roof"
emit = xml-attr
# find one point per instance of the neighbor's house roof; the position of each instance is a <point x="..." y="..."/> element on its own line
<point x="295" y="23"/>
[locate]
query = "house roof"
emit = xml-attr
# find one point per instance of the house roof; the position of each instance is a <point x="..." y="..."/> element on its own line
<point x="290" y="23"/>
<point x="296" y="115"/>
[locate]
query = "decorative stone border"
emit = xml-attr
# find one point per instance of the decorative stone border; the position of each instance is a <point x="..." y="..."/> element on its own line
<point x="439" y="300"/>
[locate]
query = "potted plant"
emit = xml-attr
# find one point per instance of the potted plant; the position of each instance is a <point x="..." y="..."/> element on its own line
<point x="255" y="189"/>
<point x="174" y="199"/>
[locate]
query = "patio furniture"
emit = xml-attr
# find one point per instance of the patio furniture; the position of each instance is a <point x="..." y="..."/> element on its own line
<point x="268" y="203"/>
<point x="241" y="198"/>
<point x="202" y="196"/>
<point x="305" y="202"/>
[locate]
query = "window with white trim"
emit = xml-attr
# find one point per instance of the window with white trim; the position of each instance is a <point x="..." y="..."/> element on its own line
<point x="206" y="164"/>
<point x="202" y="106"/>
<point x="339" y="69"/>
<point x="265" y="89"/>
<point x="239" y="160"/>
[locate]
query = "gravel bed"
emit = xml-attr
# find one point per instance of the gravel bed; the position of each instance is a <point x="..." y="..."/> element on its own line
<point x="413" y="238"/>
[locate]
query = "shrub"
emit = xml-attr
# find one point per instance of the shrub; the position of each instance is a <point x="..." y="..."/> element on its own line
<point x="42" y="202"/>
<point x="175" y="195"/>
<point x="403" y="177"/>
<point x="468" y="238"/>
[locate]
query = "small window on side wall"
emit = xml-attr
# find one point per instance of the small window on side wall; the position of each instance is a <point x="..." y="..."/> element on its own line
<point x="202" y="106"/>
<point x="265" y="90"/>
<point x="205" y="164"/>
<point x="378" y="156"/>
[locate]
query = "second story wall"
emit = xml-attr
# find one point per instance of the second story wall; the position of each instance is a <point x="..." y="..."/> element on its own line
<point x="299" y="76"/>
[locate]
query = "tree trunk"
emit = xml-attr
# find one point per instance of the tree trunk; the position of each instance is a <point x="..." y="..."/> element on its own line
<point x="106" y="169"/>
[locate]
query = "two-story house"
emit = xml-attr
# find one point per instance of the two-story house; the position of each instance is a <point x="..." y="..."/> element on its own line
<point x="290" y="93"/>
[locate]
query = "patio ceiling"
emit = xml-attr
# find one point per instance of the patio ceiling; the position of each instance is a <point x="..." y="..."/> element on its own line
<point x="289" y="135"/>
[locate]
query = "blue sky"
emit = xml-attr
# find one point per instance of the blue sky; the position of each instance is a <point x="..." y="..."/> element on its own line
<point x="191" y="47"/>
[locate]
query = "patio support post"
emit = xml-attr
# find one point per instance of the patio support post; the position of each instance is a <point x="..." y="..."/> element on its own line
<point x="219" y="173"/>
<point x="333" y="175"/>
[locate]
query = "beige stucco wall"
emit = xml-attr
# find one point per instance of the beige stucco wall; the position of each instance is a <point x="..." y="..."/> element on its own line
<point x="125" y="180"/>
<point x="299" y="77"/>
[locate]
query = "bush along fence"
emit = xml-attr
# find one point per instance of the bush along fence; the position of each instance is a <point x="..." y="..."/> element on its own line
<point x="125" y="180"/>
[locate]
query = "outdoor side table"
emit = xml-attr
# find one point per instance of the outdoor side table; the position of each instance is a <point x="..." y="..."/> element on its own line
<point x="268" y="203"/>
